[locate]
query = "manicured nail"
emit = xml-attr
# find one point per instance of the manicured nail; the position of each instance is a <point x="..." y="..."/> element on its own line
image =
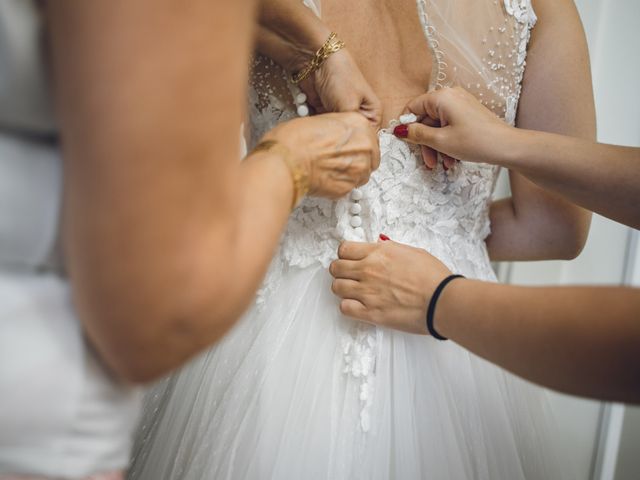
<point x="383" y="237"/>
<point x="401" y="131"/>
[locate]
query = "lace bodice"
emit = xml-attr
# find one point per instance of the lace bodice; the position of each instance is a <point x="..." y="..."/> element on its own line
<point x="403" y="199"/>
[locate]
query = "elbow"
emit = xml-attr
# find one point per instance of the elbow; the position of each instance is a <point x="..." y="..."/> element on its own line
<point x="158" y="345"/>
<point x="574" y="236"/>
<point x="142" y="342"/>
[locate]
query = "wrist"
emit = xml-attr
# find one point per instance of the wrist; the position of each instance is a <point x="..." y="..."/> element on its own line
<point x="514" y="148"/>
<point x="299" y="175"/>
<point x="448" y="307"/>
<point x="300" y="32"/>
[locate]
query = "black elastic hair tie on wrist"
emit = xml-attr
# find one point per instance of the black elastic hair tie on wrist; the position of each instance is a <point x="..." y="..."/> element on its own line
<point x="432" y="306"/>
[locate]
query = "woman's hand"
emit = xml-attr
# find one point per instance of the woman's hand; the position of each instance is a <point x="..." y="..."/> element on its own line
<point x="339" y="86"/>
<point x="453" y="122"/>
<point x="290" y="34"/>
<point x="386" y="283"/>
<point x="337" y="151"/>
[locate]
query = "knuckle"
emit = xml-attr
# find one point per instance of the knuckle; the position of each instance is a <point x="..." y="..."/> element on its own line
<point x="344" y="308"/>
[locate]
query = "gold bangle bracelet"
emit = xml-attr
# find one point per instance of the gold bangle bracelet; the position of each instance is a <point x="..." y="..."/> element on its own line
<point x="330" y="46"/>
<point x="299" y="176"/>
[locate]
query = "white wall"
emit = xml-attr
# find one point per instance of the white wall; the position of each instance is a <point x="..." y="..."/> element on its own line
<point x="609" y="450"/>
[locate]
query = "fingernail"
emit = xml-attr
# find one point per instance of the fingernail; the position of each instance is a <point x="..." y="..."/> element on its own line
<point x="383" y="237"/>
<point x="401" y="131"/>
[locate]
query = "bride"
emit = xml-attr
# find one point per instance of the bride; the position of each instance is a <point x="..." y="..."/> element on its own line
<point x="297" y="390"/>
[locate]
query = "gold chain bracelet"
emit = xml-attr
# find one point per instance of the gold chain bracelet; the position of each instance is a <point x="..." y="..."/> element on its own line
<point x="299" y="176"/>
<point x="332" y="45"/>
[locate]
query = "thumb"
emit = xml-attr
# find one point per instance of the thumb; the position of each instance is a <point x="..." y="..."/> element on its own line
<point x="419" y="133"/>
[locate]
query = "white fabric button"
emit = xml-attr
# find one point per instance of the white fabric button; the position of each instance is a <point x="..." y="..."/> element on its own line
<point x="359" y="231"/>
<point x="356" y="195"/>
<point x="355" y="221"/>
<point x="355" y="208"/>
<point x="407" y="118"/>
<point x="300" y="98"/>
<point x="303" y="110"/>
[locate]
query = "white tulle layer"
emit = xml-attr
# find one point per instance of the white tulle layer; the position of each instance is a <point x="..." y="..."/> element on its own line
<point x="273" y="401"/>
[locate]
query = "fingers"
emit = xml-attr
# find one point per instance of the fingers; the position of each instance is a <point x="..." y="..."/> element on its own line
<point x="353" y="308"/>
<point x="345" y="288"/>
<point x="349" y="269"/>
<point x="421" y="134"/>
<point x="375" y="154"/>
<point x="429" y="157"/>
<point x="355" y="250"/>
<point x="447" y="161"/>
<point x="424" y="105"/>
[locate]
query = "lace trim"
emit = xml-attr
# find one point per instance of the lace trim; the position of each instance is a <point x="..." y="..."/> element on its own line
<point x="522" y="11"/>
<point x="438" y="74"/>
<point x="360" y="350"/>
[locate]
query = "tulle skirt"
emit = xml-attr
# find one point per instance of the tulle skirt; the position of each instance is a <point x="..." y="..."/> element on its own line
<point x="298" y="391"/>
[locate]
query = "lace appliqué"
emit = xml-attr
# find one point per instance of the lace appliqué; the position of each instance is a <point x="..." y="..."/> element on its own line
<point x="360" y="351"/>
<point x="439" y="75"/>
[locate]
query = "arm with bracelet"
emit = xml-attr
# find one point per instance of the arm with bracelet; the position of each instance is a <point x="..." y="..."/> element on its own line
<point x="294" y="36"/>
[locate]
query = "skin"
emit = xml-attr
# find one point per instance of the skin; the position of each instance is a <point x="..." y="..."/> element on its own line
<point x="161" y="220"/>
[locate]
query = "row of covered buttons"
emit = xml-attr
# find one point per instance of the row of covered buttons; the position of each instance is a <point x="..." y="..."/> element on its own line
<point x="354" y="209"/>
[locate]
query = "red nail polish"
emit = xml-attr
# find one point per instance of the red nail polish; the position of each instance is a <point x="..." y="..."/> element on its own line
<point x="401" y="131"/>
<point x="383" y="237"/>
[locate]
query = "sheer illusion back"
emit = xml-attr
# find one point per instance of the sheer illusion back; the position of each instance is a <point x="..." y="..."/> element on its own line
<point x="296" y="390"/>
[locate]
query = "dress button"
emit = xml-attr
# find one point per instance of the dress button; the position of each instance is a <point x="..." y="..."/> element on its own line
<point x="407" y="118"/>
<point x="355" y="221"/>
<point x="355" y="208"/>
<point x="356" y="195"/>
<point x="303" y="110"/>
<point x="359" y="231"/>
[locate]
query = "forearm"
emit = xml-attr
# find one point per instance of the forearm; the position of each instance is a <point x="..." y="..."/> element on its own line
<point x="580" y="340"/>
<point x="266" y="195"/>
<point x="289" y="32"/>
<point x="602" y="178"/>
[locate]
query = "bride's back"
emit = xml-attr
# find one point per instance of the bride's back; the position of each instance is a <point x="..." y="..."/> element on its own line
<point x="405" y="46"/>
<point x="388" y="43"/>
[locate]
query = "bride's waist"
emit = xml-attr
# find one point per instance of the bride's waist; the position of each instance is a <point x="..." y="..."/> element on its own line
<point x="304" y="244"/>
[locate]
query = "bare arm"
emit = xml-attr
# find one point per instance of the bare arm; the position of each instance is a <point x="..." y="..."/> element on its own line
<point x="602" y="178"/>
<point x="290" y="34"/>
<point x="556" y="97"/>
<point x="580" y="340"/>
<point x="167" y="236"/>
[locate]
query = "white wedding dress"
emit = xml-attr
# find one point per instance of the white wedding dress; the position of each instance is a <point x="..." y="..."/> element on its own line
<point x="298" y="391"/>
